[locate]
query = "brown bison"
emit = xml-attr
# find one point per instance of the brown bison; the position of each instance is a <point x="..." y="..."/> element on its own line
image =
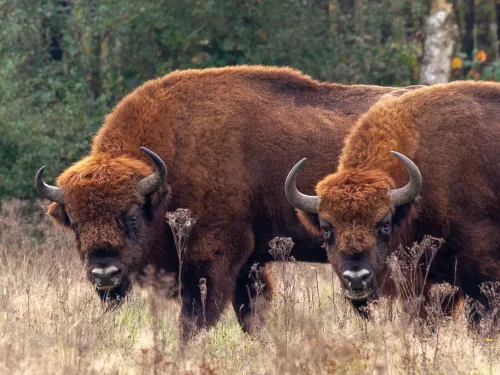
<point x="378" y="200"/>
<point x="226" y="136"/>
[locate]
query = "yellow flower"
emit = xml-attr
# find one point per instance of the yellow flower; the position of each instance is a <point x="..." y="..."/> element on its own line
<point x="489" y="340"/>
<point x="480" y="56"/>
<point x="456" y="63"/>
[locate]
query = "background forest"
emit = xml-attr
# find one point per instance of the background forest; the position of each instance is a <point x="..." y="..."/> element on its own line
<point x="65" y="63"/>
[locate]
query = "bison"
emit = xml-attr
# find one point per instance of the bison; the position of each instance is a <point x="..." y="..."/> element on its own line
<point x="218" y="142"/>
<point x="441" y="179"/>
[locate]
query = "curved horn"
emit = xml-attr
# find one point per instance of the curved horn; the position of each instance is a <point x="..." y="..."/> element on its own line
<point x="52" y="193"/>
<point x="307" y="203"/>
<point x="409" y="192"/>
<point x="154" y="181"/>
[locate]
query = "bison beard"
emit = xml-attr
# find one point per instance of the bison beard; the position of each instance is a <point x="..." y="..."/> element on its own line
<point x="227" y="136"/>
<point x="452" y="133"/>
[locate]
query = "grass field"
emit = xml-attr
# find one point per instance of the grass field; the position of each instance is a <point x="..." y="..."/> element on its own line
<point x="51" y="322"/>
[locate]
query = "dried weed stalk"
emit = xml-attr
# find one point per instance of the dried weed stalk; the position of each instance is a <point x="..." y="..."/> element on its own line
<point x="281" y="248"/>
<point x="410" y="269"/>
<point x="488" y="315"/>
<point x="181" y="222"/>
<point x="203" y="294"/>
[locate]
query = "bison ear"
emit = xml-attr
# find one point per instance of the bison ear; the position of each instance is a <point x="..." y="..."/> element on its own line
<point x="404" y="219"/>
<point x="58" y="214"/>
<point x="310" y="222"/>
<point x="155" y="199"/>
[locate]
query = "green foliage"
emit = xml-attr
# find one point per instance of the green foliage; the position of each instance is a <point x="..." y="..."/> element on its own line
<point x="477" y="68"/>
<point x="50" y="106"/>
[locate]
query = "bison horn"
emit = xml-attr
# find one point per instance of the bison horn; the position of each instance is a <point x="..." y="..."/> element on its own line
<point x="409" y="192"/>
<point x="52" y="193"/>
<point x="154" y="181"/>
<point x="301" y="201"/>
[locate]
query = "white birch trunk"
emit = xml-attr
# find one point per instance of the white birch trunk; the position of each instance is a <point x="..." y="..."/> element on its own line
<point x="440" y="33"/>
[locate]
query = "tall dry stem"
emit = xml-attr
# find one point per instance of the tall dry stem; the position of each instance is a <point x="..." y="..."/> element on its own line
<point x="410" y="269"/>
<point x="181" y="222"/>
<point x="281" y="248"/>
<point x="203" y="295"/>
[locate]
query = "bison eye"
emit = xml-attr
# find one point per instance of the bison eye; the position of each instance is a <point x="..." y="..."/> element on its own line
<point x="133" y="220"/>
<point x="386" y="227"/>
<point x="328" y="235"/>
<point x="328" y="232"/>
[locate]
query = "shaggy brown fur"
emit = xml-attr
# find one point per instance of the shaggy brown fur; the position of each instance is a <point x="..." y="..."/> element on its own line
<point x="452" y="133"/>
<point x="227" y="137"/>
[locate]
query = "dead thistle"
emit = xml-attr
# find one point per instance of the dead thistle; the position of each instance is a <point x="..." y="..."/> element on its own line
<point x="181" y="222"/>
<point x="281" y="248"/>
<point x="410" y="269"/>
<point x="489" y="314"/>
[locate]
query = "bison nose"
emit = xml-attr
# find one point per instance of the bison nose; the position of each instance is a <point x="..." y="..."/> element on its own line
<point x="357" y="279"/>
<point x="106" y="276"/>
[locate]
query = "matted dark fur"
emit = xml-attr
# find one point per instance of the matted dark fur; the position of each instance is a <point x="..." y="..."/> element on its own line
<point x="227" y="137"/>
<point x="452" y="133"/>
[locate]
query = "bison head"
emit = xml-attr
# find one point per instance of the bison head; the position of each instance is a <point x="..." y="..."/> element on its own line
<point x="109" y="202"/>
<point x="356" y="211"/>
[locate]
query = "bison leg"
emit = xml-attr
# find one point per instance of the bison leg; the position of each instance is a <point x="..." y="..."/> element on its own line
<point x="252" y="296"/>
<point x="202" y="311"/>
<point x="208" y="284"/>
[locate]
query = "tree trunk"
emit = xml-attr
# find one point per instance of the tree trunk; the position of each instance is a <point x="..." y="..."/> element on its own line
<point x="53" y="28"/>
<point x="347" y="10"/>
<point x="470" y="19"/>
<point x="95" y="65"/>
<point x="459" y="18"/>
<point x="440" y="33"/>
<point x="497" y="9"/>
<point x="96" y="51"/>
<point x="346" y="6"/>
<point x="494" y="28"/>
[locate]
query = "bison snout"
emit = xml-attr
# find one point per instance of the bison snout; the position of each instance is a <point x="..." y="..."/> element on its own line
<point x="106" y="277"/>
<point x="357" y="280"/>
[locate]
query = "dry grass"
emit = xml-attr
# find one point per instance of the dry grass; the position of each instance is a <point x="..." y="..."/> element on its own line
<point x="51" y="322"/>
